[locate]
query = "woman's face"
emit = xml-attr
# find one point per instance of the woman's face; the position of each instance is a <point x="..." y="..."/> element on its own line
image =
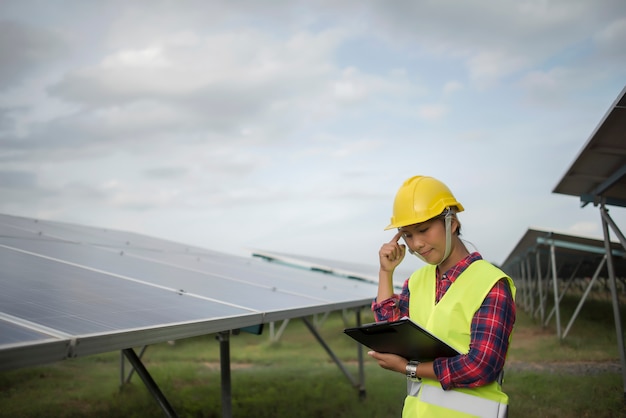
<point x="428" y="239"/>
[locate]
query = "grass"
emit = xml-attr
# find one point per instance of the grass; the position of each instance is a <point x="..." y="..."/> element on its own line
<point x="295" y="377"/>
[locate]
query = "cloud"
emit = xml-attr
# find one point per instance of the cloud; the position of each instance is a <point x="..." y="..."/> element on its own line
<point x="165" y="172"/>
<point x="431" y="112"/>
<point x="549" y="88"/>
<point x="452" y="86"/>
<point x="225" y="85"/>
<point x="495" y="40"/>
<point x="292" y="123"/>
<point x="13" y="179"/>
<point x="26" y="50"/>
<point x="585" y="229"/>
<point x="610" y="41"/>
<point x="243" y="64"/>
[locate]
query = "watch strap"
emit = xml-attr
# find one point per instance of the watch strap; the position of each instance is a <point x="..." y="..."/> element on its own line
<point x="411" y="369"/>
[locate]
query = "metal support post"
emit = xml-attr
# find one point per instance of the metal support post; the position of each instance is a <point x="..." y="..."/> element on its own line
<point x="126" y="378"/>
<point x="584" y="296"/>
<point x="360" y="359"/>
<point x="542" y="300"/>
<point x="223" y="338"/>
<point x="616" y="313"/>
<point x="526" y="287"/>
<point x="531" y="307"/>
<point x="563" y="292"/>
<point x="275" y="335"/>
<point x="556" y="291"/>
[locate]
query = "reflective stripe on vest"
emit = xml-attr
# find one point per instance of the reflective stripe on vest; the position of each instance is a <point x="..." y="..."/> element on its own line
<point x="456" y="401"/>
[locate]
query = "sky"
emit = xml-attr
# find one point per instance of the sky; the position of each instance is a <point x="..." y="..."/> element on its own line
<point x="289" y="126"/>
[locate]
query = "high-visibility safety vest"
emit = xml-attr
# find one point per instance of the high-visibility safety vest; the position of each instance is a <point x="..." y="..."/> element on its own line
<point x="450" y="319"/>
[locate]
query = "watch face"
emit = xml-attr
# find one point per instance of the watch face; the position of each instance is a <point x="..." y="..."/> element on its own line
<point x="411" y="369"/>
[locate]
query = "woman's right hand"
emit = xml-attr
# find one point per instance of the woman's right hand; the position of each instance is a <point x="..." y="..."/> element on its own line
<point x="391" y="254"/>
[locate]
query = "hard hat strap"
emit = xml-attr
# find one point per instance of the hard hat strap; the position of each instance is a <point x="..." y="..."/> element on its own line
<point x="448" y="222"/>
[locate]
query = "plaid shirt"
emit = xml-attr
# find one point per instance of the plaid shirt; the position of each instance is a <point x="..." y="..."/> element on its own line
<point x="491" y="327"/>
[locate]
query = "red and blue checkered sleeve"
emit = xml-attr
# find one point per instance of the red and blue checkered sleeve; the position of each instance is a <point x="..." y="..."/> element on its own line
<point x="394" y="308"/>
<point x="491" y="328"/>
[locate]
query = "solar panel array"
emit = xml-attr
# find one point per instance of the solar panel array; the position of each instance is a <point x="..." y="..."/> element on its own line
<point x="573" y="255"/>
<point x="598" y="176"/>
<point x="343" y="268"/>
<point x="70" y="290"/>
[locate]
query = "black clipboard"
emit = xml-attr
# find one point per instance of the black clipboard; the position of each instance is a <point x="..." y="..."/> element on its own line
<point x="403" y="337"/>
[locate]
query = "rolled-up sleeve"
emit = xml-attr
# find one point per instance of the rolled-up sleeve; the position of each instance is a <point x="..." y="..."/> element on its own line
<point x="394" y="308"/>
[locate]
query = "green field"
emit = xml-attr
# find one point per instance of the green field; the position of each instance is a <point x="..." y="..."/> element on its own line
<point x="295" y="377"/>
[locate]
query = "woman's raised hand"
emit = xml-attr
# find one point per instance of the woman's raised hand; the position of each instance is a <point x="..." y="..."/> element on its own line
<point x="391" y="254"/>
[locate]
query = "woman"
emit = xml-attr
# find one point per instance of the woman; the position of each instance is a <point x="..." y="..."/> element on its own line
<point x="458" y="296"/>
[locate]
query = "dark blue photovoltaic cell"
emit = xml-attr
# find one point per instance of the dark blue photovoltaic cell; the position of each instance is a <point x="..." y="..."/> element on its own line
<point x="78" y="301"/>
<point x="93" y="236"/>
<point x="253" y="283"/>
<point x="12" y="333"/>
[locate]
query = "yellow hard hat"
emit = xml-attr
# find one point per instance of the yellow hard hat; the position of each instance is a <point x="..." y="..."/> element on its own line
<point x="419" y="199"/>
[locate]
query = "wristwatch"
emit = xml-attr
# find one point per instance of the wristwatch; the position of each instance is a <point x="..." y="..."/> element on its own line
<point x="411" y="369"/>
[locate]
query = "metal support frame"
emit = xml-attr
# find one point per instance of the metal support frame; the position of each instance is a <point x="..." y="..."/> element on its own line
<point x="520" y="298"/>
<point x="567" y="286"/>
<point x="224" y="339"/>
<point x="137" y="365"/>
<point x="275" y="335"/>
<point x="543" y="289"/>
<point x="531" y="296"/>
<point x="556" y="291"/>
<point x="539" y="286"/>
<point x="536" y="280"/>
<point x="596" y="274"/>
<point x="226" y="382"/>
<point x="527" y="286"/>
<point x="318" y="320"/>
<point x="126" y="378"/>
<point x="606" y="222"/>
<point x="149" y="382"/>
<point x="357" y="383"/>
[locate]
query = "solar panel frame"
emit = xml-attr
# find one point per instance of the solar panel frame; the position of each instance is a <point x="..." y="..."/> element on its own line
<point x="599" y="170"/>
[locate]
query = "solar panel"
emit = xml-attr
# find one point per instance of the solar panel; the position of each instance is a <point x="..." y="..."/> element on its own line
<point x="11" y="333"/>
<point x="573" y="255"/>
<point x="254" y="285"/>
<point x="599" y="170"/>
<point x="70" y="290"/>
